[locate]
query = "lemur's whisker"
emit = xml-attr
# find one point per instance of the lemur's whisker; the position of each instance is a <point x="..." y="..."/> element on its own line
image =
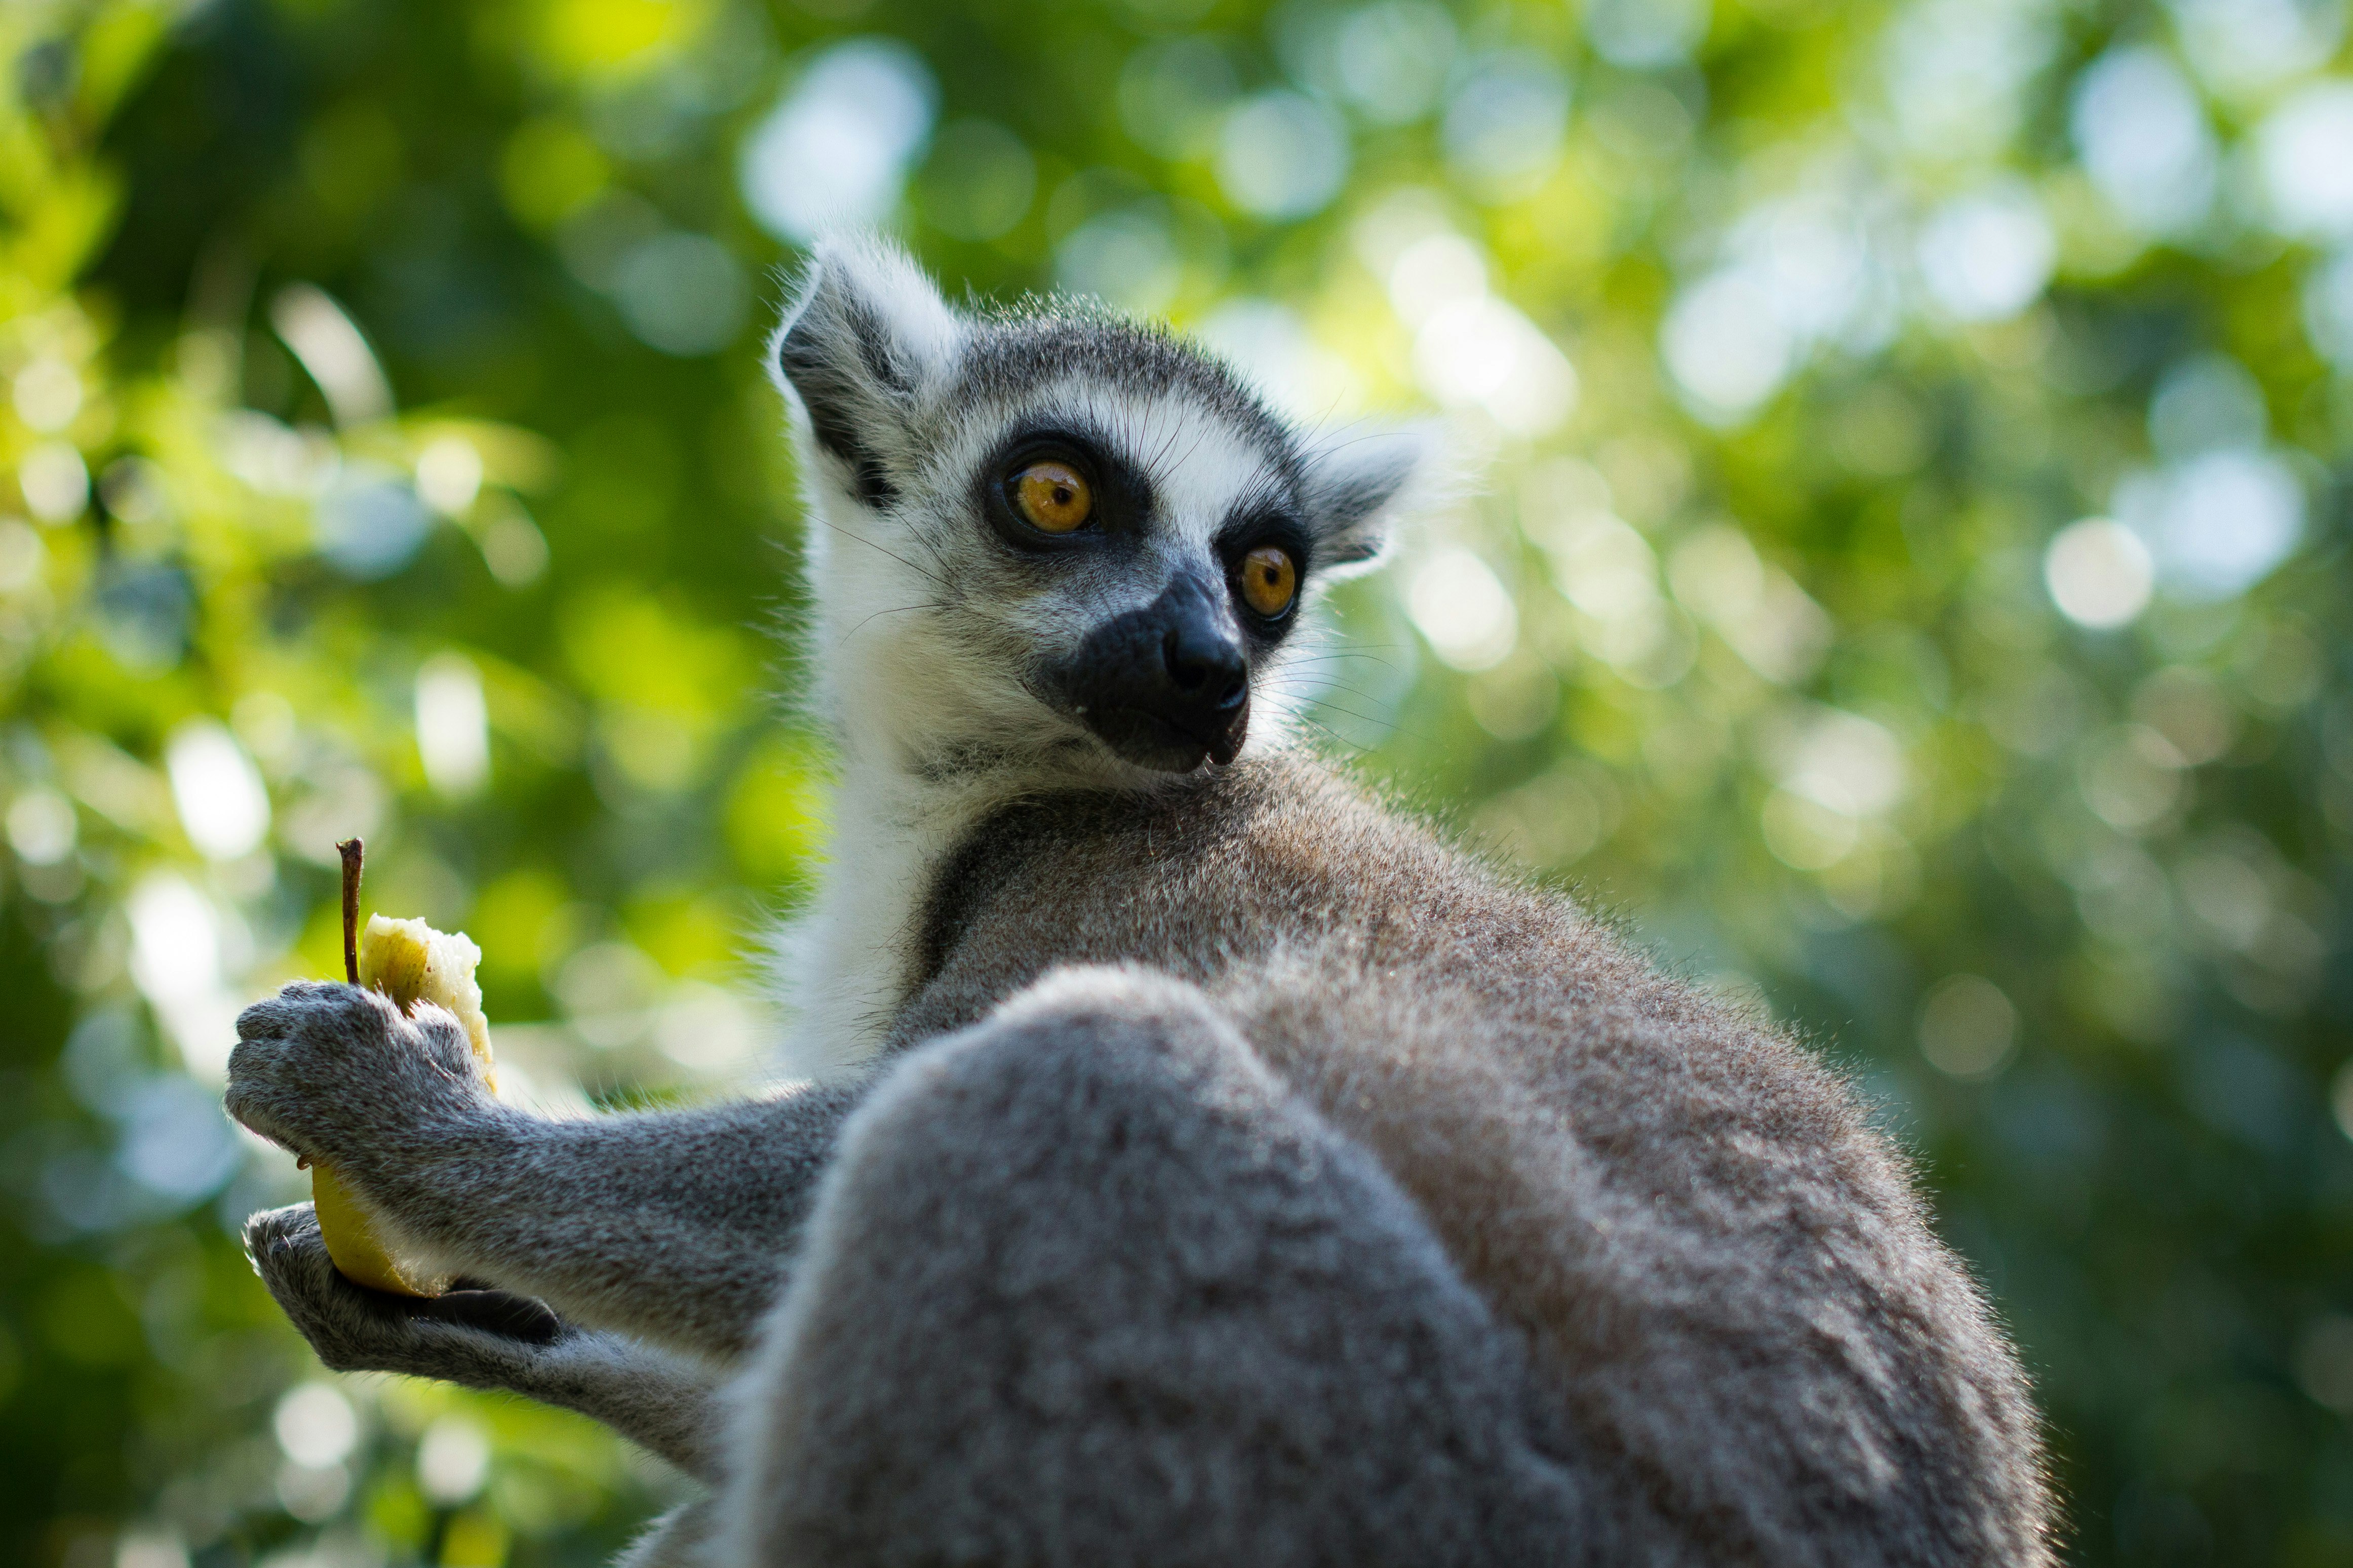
<point x="1305" y="660"/>
<point x="1316" y="694"/>
<point x="1331" y="407"/>
<point x="843" y="641"/>
<point x="1199" y="436"/>
<point x="1342" y="446"/>
<point x="923" y="538"/>
<point x="1306" y="680"/>
<point x="894" y="554"/>
<point x="1337" y="738"/>
<point x="1389" y="725"/>
<point x="1303" y="681"/>
<point x="1155" y="465"/>
<point x="1386" y="724"/>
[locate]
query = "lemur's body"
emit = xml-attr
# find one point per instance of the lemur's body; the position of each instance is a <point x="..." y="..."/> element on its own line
<point x="1239" y="1173"/>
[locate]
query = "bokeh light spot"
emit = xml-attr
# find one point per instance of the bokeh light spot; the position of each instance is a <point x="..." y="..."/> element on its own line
<point x="1281" y="155"/>
<point x="453" y="1459"/>
<point x="219" y="794"/>
<point x="2143" y="136"/>
<point x="316" y="1424"/>
<point x="2099" y="574"/>
<point x="1459" y="604"/>
<point x="2301" y="150"/>
<point x="836" y="147"/>
<point x="1987" y="255"/>
<point x="1968" y="1029"/>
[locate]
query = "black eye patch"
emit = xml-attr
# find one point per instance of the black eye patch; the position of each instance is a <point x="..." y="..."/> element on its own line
<point x="1262" y="527"/>
<point x="1124" y="505"/>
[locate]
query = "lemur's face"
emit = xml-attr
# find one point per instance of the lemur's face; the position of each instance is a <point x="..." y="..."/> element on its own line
<point x="1056" y="536"/>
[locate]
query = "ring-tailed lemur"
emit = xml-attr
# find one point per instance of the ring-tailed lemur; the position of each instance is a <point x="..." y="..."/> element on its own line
<point x="1239" y="1173"/>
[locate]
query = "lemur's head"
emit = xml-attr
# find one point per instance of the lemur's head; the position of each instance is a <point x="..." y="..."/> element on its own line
<point x="1050" y="539"/>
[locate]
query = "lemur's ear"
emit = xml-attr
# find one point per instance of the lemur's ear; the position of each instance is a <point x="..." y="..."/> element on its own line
<point x="1361" y="484"/>
<point x="866" y="340"/>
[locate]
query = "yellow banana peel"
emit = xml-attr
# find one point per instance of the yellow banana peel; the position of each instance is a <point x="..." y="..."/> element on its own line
<point x="409" y="962"/>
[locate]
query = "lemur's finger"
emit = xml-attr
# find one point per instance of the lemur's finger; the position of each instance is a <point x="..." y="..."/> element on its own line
<point x="523" y="1318"/>
<point x="248" y="1104"/>
<point x="273" y="1232"/>
<point x="446" y="1044"/>
<point x="288" y="1254"/>
<point x="282" y="1014"/>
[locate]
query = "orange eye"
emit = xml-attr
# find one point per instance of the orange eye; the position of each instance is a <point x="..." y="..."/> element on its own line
<point x="1270" y="580"/>
<point x="1052" y="497"/>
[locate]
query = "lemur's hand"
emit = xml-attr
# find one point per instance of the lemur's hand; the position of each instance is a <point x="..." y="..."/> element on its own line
<point x="477" y="1337"/>
<point x="334" y="1072"/>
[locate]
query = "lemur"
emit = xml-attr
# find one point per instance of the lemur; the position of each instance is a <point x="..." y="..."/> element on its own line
<point x="1235" y="1172"/>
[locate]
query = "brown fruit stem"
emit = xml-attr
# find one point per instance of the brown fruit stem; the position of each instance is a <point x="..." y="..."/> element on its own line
<point x="353" y="850"/>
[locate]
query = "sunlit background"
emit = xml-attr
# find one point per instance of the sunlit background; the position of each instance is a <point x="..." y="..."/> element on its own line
<point x="1908" y="579"/>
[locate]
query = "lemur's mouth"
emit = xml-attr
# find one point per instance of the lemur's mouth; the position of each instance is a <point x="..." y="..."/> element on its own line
<point x="1149" y="740"/>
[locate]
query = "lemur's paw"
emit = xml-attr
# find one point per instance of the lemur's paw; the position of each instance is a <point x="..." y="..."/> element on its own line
<point x="336" y="1072"/>
<point x="466" y="1336"/>
<point x="344" y="1322"/>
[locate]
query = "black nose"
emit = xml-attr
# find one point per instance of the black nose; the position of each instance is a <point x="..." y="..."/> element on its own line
<point x="1168" y="684"/>
<point x="1205" y="666"/>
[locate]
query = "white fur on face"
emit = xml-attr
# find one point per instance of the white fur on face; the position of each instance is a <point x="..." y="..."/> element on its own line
<point x="929" y="627"/>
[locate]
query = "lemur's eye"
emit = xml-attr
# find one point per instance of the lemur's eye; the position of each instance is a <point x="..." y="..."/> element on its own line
<point x="1270" y="580"/>
<point x="1052" y="497"/>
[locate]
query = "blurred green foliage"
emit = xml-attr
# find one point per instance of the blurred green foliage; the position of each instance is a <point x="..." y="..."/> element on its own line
<point x="1907" y="574"/>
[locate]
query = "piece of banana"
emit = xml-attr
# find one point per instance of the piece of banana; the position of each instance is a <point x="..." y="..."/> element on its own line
<point x="409" y="962"/>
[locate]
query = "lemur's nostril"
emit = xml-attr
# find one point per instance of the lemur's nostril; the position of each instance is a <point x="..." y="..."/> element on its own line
<point x="1208" y="666"/>
<point x="1186" y="666"/>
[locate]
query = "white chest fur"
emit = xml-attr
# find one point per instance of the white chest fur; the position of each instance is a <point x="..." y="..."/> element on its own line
<point x="846" y="960"/>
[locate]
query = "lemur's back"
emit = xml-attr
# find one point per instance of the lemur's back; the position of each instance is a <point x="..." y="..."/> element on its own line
<point x="1727" y="1286"/>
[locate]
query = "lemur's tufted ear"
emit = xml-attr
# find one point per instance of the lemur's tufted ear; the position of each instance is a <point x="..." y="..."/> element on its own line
<point x="1360" y="485"/>
<point x="865" y="339"/>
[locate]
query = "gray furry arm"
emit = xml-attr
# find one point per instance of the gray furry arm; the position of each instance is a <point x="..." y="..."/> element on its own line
<point x="675" y="1227"/>
<point x="662" y="1401"/>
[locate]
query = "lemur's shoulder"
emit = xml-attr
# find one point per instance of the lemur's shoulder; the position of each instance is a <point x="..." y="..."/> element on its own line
<point x="1283" y="884"/>
<point x="1213" y="869"/>
<point x="1279" y="826"/>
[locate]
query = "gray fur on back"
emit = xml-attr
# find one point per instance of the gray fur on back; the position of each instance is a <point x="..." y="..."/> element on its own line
<point x="1150" y="1308"/>
<point x="1722" y="1276"/>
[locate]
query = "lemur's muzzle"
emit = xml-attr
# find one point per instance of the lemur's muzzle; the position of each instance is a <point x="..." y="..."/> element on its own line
<point x="1167" y="685"/>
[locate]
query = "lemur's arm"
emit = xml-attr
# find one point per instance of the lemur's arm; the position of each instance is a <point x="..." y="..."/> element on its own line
<point x="488" y="1340"/>
<point x="675" y="1226"/>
